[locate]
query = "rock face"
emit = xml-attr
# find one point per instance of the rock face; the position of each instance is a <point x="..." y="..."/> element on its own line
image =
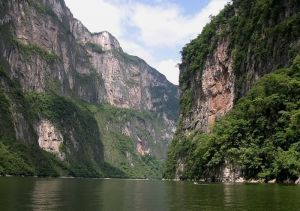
<point x="142" y="149"/>
<point x="75" y="62"/>
<point x="179" y="169"/>
<point x="239" y="46"/>
<point x="50" y="139"/>
<point x="93" y="67"/>
<point x="218" y="84"/>
<point x="216" y="94"/>
<point x="44" y="49"/>
<point x="223" y="76"/>
<point x="227" y="173"/>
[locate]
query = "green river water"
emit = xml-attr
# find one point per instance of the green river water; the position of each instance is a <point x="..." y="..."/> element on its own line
<point x="115" y="194"/>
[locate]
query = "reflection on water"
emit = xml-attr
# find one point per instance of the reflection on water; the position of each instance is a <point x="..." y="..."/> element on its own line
<point x="133" y="195"/>
<point x="93" y="194"/>
<point x="227" y="194"/>
<point x="67" y="194"/>
<point x="81" y="194"/>
<point x="44" y="195"/>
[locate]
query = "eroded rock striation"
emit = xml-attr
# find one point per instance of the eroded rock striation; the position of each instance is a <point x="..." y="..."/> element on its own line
<point x="214" y="87"/>
<point x="50" y="54"/>
<point x="240" y="45"/>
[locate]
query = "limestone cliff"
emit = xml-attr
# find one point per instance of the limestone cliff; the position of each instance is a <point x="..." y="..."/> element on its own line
<point x="92" y="67"/>
<point x="227" y="63"/>
<point x="49" y="54"/>
<point x="50" y="139"/>
<point x="247" y="40"/>
<point x="213" y="90"/>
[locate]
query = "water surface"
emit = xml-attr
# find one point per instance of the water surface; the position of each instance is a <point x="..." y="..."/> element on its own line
<point x="112" y="195"/>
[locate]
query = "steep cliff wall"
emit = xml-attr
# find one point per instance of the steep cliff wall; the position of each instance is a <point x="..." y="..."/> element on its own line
<point x="52" y="50"/>
<point x="247" y="40"/>
<point x="57" y="64"/>
<point x="244" y="42"/>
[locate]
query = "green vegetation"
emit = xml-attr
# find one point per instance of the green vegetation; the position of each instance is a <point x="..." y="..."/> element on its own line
<point x="79" y="129"/>
<point x="89" y="80"/>
<point x="131" y="59"/>
<point x="12" y="103"/>
<point x="258" y="33"/>
<point x="11" y="163"/>
<point x="94" y="144"/>
<point x="6" y="118"/>
<point x="24" y="152"/>
<point x="20" y="157"/>
<point x="27" y="160"/>
<point x="95" y="130"/>
<point x="40" y="8"/>
<point x="45" y="11"/>
<point x="33" y="49"/>
<point x="94" y="47"/>
<point x="170" y="106"/>
<point x="261" y="134"/>
<point x="128" y="59"/>
<point x="119" y="148"/>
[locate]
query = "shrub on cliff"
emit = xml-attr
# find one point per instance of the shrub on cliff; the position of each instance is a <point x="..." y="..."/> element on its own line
<point x="261" y="134"/>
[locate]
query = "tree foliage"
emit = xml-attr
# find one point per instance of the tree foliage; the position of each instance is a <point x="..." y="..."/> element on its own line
<point x="261" y="134"/>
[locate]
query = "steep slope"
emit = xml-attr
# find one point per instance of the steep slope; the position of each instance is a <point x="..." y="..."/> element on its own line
<point x="58" y="66"/>
<point x="244" y="42"/>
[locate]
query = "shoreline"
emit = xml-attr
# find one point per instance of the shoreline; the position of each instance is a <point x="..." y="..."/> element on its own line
<point x="195" y="182"/>
<point x="238" y="181"/>
<point x="70" y="177"/>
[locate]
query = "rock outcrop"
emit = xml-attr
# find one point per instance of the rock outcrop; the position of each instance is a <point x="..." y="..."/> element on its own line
<point x="240" y="45"/>
<point x="50" y="139"/>
<point x="216" y="92"/>
<point x="45" y="50"/>
<point x="222" y="75"/>
<point x="93" y="67"/>
<point x="229" y="172"/>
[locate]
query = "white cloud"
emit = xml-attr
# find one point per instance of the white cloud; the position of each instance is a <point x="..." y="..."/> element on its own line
<point x="166" y="25"/>
<point x="137" y="50"/>
<point x="145" y="29"/>
<point x="170" y="69"/>
<point x="98" y="15"/>
<point x="158" y="26"/>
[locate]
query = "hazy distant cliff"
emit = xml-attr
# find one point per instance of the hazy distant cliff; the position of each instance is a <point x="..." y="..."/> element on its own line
<point x="61" y="71"/>
<point x="247" y="40"/>
<point x="77" y="56"/>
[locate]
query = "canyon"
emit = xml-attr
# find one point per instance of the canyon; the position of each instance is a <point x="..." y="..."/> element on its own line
<point x="96" y="110"/>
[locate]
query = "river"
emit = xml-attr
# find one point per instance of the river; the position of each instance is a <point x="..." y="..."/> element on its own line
<point x="116" y="194"/>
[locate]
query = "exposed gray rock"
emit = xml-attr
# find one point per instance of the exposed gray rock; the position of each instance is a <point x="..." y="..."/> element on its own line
<point x="49" y="50"/>
<point x="216" y="74"/>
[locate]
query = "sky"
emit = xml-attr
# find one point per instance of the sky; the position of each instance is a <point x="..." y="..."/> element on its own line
<point x="154" y="30"/>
